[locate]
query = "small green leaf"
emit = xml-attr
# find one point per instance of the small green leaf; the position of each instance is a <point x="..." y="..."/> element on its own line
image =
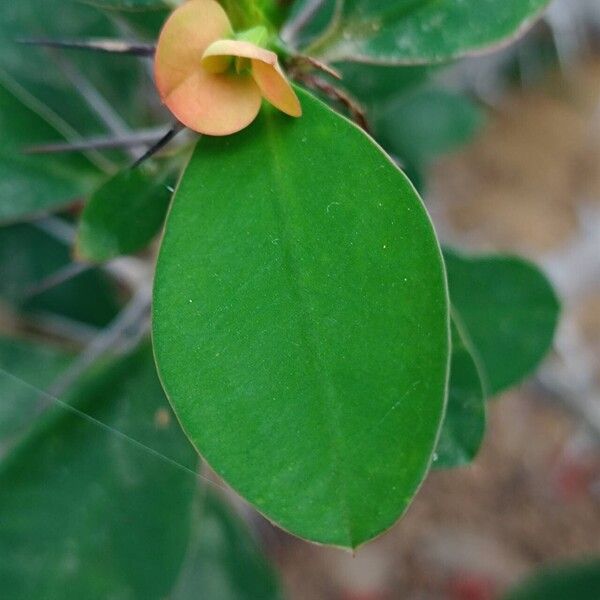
<point x="125" y="213"/>
<point x="85" y="512"/>
<point x="37" y="365"/>
<point x="408" y="32"/>
<point x="465" y="420"/>
<point x="577" y="581"/>
<point x="223" y="561"/>
<point x="29" y="256"/>
<point x="301" y="323"/>
<point x="31" y="185"/>
<point x="508" y="310"/>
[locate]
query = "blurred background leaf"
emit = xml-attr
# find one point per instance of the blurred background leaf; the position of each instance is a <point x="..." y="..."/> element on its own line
<point x="31" y="185"/>
<point x="507" y="309"/>
<point x="38" y="364"/>
<point x="224" y="561"/>
<point x="84" y="512"/>
<point x="575" y="581"/>
<point x="30" y="258"/>
<point x="91" y="91"/>
<point x="464" y="423"/>
<point x="418" y="31"/>
<point x="126" y="212"/>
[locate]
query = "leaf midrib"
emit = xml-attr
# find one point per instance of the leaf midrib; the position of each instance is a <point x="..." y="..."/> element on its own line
<point x="309" y="327"/>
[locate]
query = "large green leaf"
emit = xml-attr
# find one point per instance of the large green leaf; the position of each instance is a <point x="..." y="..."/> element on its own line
<point x="35" y="184"/>
<point x="125" y="213"/>
<point x="224" y="562"/>
<point x="508" y="310"/>
<point x="464" y="424"/>
<point x="85" y="513"/>
<point x="29" y="257"/>
<point x="37" y="365"/>
<point x="577" y="581"/>
<point x="301" y="323"/>
<point x="421" y="31"/>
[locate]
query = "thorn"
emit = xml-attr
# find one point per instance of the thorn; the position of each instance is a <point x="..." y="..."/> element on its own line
<point x="107" y="45"/>
<point x="99" y="143"/>
<point x="357" y="112"/>
<point x="159" y="145"/>
<point x="317" y="64"/>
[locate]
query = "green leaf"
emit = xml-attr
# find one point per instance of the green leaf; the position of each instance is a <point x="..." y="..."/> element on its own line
<point x="224" y="561"/>
<point x="301" y="323"/>
<point x="36" y="364"/>
<point x="493" y="342"/>
<point x="376" y="84"/>
<point x="508" y="310"/>
<point x="29" y="256"/>
<point x="426" y="123"/>
<point x="464" y="424"/>
<point x="577" y="581"/>
<point x="125" y="213"/>
<point x="408" y="32"/>
<point x="31" y="185"/>
<point x="88" y="514"/>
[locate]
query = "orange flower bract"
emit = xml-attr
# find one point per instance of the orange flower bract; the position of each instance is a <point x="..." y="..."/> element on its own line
<point x="212" y="83"/>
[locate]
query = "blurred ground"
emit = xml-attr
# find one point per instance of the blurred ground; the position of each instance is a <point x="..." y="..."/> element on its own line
<point x="529" y="184"/>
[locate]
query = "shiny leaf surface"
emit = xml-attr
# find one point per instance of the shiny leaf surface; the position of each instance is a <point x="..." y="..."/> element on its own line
<point x="300" y="323"/>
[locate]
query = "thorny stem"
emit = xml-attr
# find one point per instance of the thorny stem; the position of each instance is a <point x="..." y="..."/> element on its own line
<point x="135" y="140"/>
<point x="110" y="46"/>
<point x="298" y="62"/>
